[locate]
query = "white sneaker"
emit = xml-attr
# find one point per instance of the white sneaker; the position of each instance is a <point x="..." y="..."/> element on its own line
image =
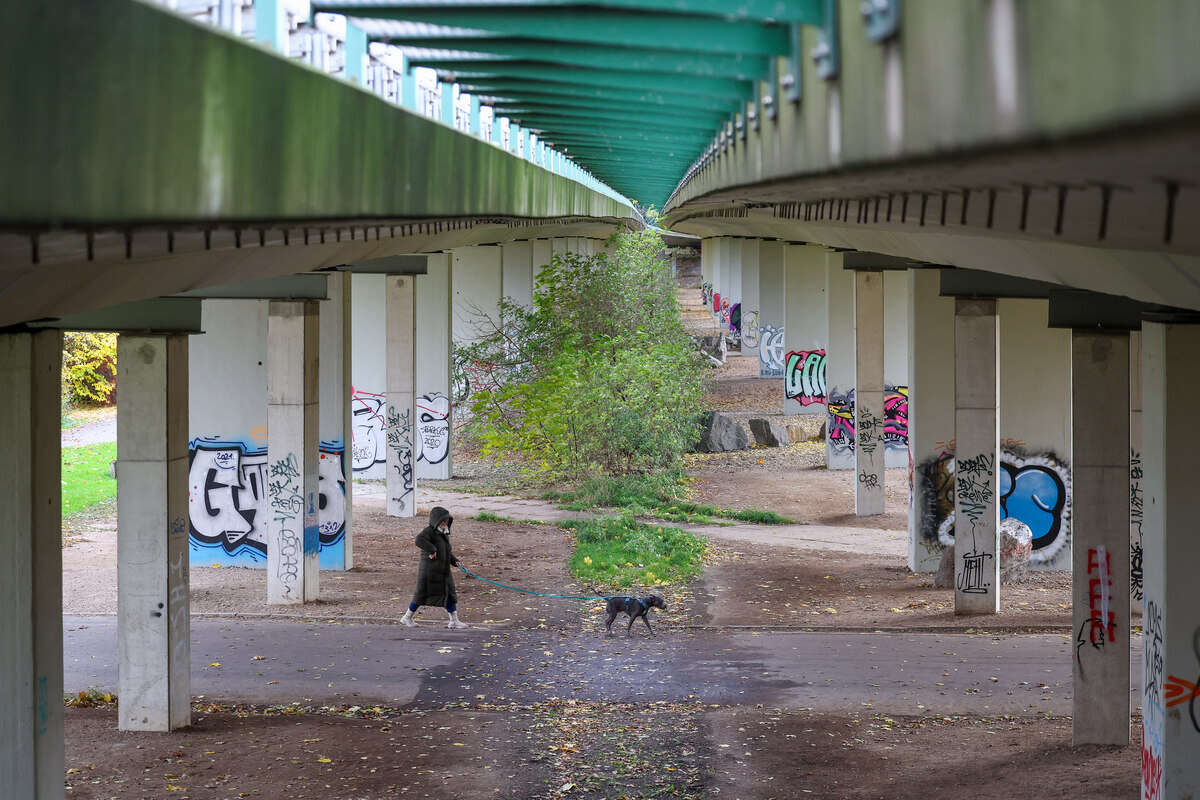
<point x="407" y="620"/>
<point x="455" y="624"/>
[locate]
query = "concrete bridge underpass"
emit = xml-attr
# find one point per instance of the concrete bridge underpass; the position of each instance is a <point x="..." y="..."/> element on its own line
<point x="965" y="232"/>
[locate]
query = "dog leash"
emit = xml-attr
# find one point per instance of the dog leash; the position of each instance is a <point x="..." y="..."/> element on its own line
<point x="536" y="594"/>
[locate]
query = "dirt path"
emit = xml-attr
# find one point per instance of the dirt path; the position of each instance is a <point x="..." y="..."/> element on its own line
<point x="100" y="427"/>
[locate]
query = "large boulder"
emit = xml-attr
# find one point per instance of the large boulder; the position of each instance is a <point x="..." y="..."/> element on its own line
<point x="721" y="433"/>
<point x="1016" y="543"/>
<point x="768" y="433"/>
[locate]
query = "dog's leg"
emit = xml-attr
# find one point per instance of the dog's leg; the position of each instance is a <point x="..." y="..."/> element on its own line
<point x="632" y="619"/>
<point x="608" y="623"/>
<point x="646" y="619"/>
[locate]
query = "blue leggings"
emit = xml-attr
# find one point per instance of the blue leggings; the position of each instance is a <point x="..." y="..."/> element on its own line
<point x="450" y="607"/>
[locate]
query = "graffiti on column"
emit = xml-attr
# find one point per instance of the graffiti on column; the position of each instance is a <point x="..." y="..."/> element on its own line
<point x="804" y="376"/>
<point x="1136" y="499"/>
<point x="735" y="321"/>
<point x="228" y="503"/>
<point x="433" y="426"/>
<point x="1034" y="488"/>
<point x="716" y="302"/>
<point x="1177" y="691"/>
<point x="1153" y="707"/>
<point x="841" y="408"/>
<point x="400" y="442"/>
<point x="867" y="430"/>
<point x="1101" y="625"/>
<point x="368" y="423"/>
<point x="770" y="351"/>
<point x="973" y="493"/>
<point x="287" y="506"/>
<point x="750" y="330"/>
<point x="706" y="293"/>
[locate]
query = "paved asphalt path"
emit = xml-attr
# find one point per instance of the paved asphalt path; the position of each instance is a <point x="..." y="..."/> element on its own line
<point x="279" y="661"/>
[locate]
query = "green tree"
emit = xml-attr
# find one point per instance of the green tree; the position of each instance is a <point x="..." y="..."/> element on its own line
<point x="89" y="368"/>
<point x="599" y="377"/>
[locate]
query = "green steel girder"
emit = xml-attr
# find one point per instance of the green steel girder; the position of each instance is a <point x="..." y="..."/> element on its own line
<point x="568" y="117"/>
<point x="645" y="60"/>
<point x="621" y="133"/>
<point x="623" y="28"/>
<point x="709" y="120"/>
<point x="707" y="87"/>
<point x="226" y="131"/>
<point x="798" y="11"/>
<point x="630" y="139"/>
<point x="517" y="89"/>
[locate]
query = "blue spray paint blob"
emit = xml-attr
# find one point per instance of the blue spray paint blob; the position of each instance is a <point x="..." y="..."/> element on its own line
<point x="1035" y="495"/>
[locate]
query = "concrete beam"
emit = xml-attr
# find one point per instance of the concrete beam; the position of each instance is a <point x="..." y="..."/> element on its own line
<point x="305" y="286"/>
<point x="157" y="315"/>
<point x="977" y="283"/>
<point x="390" y="265"/>
<point x="31" y="648"/>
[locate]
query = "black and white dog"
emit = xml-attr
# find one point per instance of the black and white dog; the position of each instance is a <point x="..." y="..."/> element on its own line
<point x="635" y="607"/>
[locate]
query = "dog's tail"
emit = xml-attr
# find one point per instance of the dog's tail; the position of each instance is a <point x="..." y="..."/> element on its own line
<point x="598" y="594"/>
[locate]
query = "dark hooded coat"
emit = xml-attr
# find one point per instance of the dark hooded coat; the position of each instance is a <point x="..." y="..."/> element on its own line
<point x="435" y="583"/>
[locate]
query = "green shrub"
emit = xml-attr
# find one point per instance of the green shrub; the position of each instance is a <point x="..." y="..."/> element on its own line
<point x="89" y="368"/>
<point x="621" y="552"/>
<point x="598" y="378"/>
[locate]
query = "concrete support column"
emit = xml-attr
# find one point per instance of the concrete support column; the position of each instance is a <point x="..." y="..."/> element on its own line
<point x="720" y="268"/>
<point x="1171" y="550"/>
<point x="542" y="252"/>
<point x="434" y="404"/>
<point x="976" y="457"/>
<point x="517" y="268"/>
<point x="31" y="646"/>
<point x="401" y="406"/>
<point x="293" y="451"/>
<point x="1137" y="488"/>
<point x="840" y="349"/>
<point x="772" y="308"/>
<point x="930" y="419"/>
<point x="153" y="628"/>
<point x="1100" y="442"/>
<point x="335" y="463"/>
<point x="868" y="392"/>
<point x="750" y="296"/>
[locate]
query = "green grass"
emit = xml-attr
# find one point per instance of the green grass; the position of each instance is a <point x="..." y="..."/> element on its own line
<point x="488" y="516"/>
<point x="655" y="495"/>
<point x="621" y="552"/>
<point x="85" y="478"/>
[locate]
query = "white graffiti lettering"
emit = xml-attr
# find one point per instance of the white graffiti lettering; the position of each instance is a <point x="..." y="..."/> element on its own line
<point x="433" y="427"/>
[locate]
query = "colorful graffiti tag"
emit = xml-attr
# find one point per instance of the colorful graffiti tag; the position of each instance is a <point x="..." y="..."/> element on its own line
<point x="895" y="419"/>
<point x="1034" y="488"/>
<point x="804" y="376"/>
<point x="228" y="501"/>
<point x="770" y="351"/>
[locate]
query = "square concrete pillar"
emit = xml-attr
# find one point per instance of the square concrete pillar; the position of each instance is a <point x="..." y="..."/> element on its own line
<point x="1171" y="551"/>
<point x="1100" y="442"/>
<point x="434" y="404"/>
<point x="768" y="325"/>
<point x="401" y="400"/>
<point x="517" y="281"/>
<point x="840" y="349"/>
<point x="868" y="391"/>
<point x="541" y="254"/>
<point x="153" y="627"/>
<point x="31" y="646"/>
<point x="748" y="331"/>
<point x="930" y="420"/>
<point x="976" y="457"/>
<point x="293" y="541"/>
<point x="335" y="468"/>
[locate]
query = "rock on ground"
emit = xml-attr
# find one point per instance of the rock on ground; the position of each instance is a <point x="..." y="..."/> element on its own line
<point x="721" y="433"/>
<point x="1016" y="543"/>
<point x="768" y="433"/>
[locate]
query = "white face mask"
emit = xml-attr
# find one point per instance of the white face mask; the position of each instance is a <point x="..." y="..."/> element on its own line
<point x="443" y="527"/>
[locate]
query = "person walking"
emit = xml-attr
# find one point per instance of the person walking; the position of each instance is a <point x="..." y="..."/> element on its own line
<point x="435" y="583"/>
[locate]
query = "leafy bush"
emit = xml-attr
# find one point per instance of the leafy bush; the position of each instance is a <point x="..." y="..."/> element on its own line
<point x="622" y="552"/>
<point x="657" y="495"/>
<point x="89" y="368"/>
<point x="599" y="377"/>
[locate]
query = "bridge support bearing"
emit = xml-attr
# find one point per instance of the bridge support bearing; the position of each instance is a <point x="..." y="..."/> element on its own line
<point x="1171" y="550"/>
<point x="434" y="403"/>
<point x="868" y="389"/>
<point x="976" y="457"/>
<point x="153" y="623"/>
<point x="293" y="540"/>
<point x="930" y="415"/>
<point x="400" y="300"/>
<point x="31" y="648"/>
<point x="1100" y="444"/>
